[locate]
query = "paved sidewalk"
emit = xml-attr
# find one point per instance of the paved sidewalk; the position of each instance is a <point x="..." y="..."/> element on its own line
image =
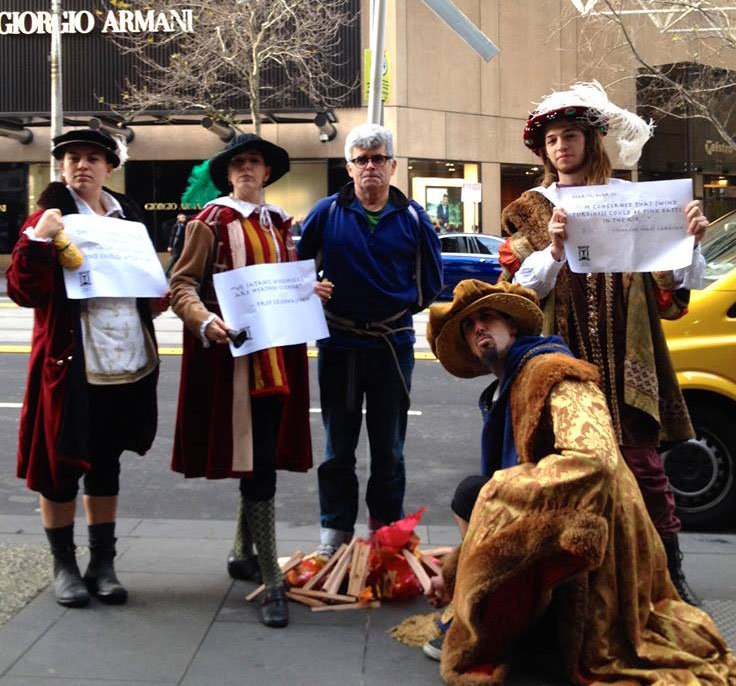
<point x="187" y="624"/>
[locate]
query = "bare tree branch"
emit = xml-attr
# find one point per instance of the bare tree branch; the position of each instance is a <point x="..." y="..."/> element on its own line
<point x="255" y="52"/>
<point x="679" y="53"/>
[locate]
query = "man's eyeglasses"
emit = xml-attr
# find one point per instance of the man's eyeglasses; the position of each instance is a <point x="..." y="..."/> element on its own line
<point x="362" y="160"/>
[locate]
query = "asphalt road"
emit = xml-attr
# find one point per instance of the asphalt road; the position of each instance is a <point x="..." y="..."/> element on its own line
<point x="442" y="447"/>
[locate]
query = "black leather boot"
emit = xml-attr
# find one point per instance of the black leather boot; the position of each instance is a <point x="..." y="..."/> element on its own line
<point x="244" y="569"/>
<point x="275" y="608"/>
<point x="674" y="564"/>
<point x="69" y="588"/>
<point x="100" y="577"/>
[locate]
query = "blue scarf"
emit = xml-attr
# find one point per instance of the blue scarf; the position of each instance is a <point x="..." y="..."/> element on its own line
<point x="498" y="449"/>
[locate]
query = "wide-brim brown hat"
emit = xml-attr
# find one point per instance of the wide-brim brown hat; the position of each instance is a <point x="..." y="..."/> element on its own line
<point x="274" y="156"/>
<point x="444" y="329"/>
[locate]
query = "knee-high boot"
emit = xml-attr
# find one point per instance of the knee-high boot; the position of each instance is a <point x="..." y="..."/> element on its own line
<point x="241" y="562"/>
<point x="261" y="520"/>
<point x="100" y="576"/>
<point x="69" y="589"/>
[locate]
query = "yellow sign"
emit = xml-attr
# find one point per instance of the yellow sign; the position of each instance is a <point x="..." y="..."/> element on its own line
<point x="385" y="74"/>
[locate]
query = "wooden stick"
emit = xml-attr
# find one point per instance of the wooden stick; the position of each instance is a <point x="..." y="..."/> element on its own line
<point x="359" y="571"/>
<point x="304" y="600"/>
<point x="349" y="606"/>
<point x="357" y="551"/>
<point x="418" y="570"/>
<point x="317" y="578"/>
<point x="334" y="580"/>
<point x="437" y="551"/>
<point x="294" y="560"/>
<point x="324" y="595"/>
<point x="430" y="564"/>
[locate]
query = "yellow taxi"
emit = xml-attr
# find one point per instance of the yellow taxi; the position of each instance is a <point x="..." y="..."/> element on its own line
<point x="702" y="471"/>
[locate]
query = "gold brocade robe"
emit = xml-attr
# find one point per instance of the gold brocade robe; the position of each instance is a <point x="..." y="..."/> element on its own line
<point x="561" y="557"/>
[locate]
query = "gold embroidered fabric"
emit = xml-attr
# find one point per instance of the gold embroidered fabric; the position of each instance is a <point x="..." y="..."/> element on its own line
<point x="618" y="617"/>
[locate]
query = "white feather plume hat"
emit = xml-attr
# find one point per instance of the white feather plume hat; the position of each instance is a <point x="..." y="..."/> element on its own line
<point x="587" y="104"/>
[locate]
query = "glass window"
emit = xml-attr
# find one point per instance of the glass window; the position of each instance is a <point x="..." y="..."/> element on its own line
<point x="442" y="187"/>
<point x="489" y="245"/>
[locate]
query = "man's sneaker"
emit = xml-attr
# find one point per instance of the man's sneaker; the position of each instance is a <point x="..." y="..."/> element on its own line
<point x="326" y="550"/>
<point x="433" y="648"/>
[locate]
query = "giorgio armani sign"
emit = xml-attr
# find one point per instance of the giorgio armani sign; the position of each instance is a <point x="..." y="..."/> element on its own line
<point x="84" y="21"/>
<point x="96" y="72"/>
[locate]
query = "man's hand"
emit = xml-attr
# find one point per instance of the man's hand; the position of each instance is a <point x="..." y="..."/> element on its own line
<point x="557" y="233"/>
<point x="437" y="594"/>
<point x="49" y="224"/>
<point x="696" y="221"/>
<point x="324" y="290"/>
<point x="216" y="331"/>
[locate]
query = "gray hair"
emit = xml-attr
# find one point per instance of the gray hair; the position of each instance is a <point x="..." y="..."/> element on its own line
<point x="369" y="136"/>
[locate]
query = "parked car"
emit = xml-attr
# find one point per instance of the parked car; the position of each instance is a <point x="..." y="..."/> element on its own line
<point x="703" y="347"/>
<point x="468" y="256"/>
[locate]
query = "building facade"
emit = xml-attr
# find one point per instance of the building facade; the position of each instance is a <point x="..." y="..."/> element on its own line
<point x="457" y="120"/>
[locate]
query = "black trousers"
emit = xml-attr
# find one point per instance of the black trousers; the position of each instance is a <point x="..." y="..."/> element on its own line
<point x="107" y="427"/>
<point x="266" y="415"/>
<point x="466" y="494"/>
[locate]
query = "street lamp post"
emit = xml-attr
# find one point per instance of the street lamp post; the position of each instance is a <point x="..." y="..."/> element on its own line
<point x="57" y="109"/>
<point x="448" y="13"/>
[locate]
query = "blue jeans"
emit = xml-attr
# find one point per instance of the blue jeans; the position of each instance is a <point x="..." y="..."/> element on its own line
<point x="345" y="377"/>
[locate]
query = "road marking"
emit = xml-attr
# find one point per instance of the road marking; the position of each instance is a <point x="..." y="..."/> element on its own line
<point x="419" y="355"/>
<point x="318" y="410"/>
<point x="9" y="305"/>
<point x="13" y="405"/>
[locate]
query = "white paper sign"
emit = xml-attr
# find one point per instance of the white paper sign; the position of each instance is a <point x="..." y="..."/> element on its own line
<point x="274" y="303"/>
<point x="627" y="227"/>
<point x="119" y="259"/>
<point x="471" y="192"/>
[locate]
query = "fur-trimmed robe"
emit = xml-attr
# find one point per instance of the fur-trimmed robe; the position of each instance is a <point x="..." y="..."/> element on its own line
<point x="648" y="399"/>
<point x="561" y="557"/>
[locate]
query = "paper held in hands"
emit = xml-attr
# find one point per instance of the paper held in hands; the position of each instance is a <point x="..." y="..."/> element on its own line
<point x="627" y="227"/>
<point x="119" y="259"/>
<point x="274" y="304"/>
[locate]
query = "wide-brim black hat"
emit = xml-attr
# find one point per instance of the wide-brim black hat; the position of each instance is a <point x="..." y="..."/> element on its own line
<point x="275" y="157"/>
<point x="94" y="137"/>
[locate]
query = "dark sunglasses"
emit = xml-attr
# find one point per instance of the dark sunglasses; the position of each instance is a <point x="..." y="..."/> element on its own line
<point x="378" y="160"/>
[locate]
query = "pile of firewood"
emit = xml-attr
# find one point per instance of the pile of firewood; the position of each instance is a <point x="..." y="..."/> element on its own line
<point x="341" y="583"/>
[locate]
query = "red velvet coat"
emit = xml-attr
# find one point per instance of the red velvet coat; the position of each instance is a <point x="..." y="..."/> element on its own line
<point x="54" y="422"/>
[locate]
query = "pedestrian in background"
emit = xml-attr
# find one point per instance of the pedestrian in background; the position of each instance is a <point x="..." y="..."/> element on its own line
<point x="612" y="319"/>
<point x="93" y="370"/>
<point x="176" y="240"/>
<point x="382" y="254"/>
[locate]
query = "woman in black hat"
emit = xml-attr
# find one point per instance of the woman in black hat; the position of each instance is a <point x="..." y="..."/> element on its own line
<point x="248" y="416"/>
<point x="93" y="370"/>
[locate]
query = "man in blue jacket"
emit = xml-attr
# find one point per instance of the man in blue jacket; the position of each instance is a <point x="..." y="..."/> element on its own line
<point x="381" y="252"/>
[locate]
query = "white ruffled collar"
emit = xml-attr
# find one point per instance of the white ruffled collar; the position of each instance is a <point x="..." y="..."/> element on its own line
<point x="247" y="208"/>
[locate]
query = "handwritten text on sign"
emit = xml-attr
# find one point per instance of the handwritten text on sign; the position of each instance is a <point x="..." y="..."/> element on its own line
<point x="119" y="259"/>
<point x="627" y="227"/>
<point x="275" y="304"/>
